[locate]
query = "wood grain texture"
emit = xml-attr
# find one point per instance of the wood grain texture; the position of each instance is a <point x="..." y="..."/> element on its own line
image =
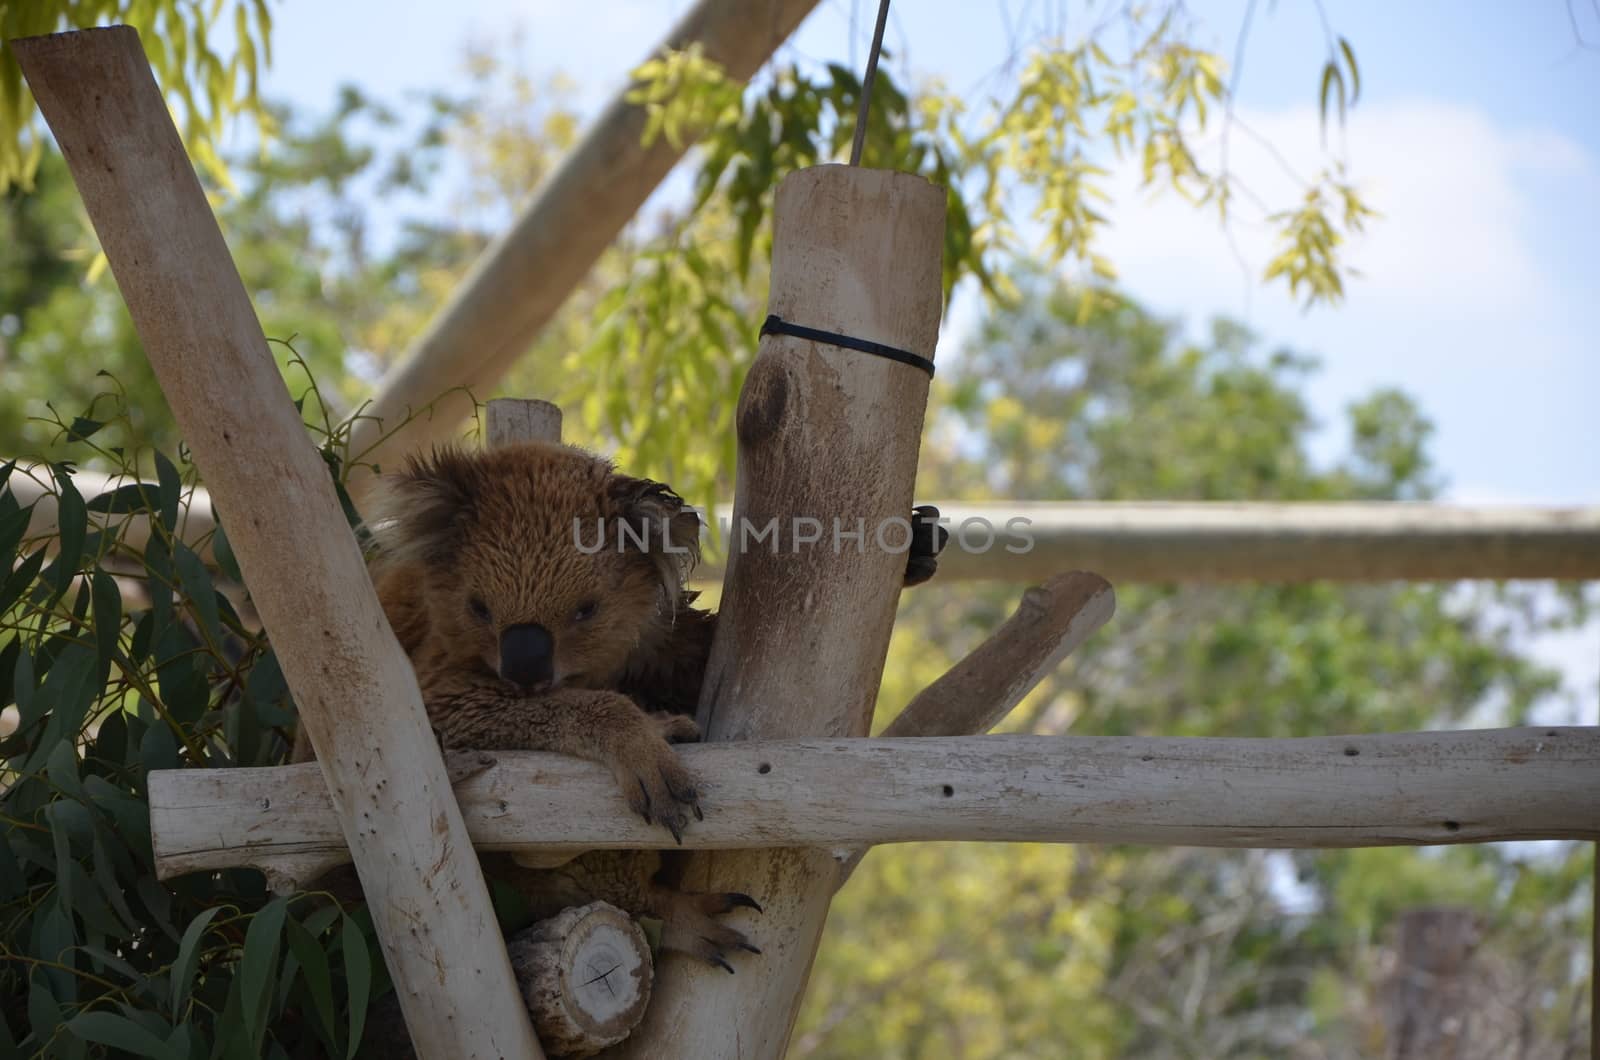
<point x="1218" y="541"/>
<point x="586" y="975"/>
<point x="508" y="421"/>
<point x="354" y="687"/>
<point x="975" y="694"/>
<point x="520" y="281"/>
<point x="1316" y="792"/>
<point x="830" y="435"/>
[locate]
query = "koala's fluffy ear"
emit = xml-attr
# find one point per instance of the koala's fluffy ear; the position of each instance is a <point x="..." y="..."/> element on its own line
<point x="416" y="514"/>
<point x="657" y="516"/>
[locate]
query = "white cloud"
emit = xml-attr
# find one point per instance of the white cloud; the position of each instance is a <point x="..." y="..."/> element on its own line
<point x="1451" y="238"/>
<point x="1473" y="293"/>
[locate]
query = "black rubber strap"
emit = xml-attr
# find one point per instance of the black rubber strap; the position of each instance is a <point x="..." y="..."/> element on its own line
<point x="776" y="325"/>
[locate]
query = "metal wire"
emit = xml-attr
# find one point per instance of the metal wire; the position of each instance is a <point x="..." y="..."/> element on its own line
<point x="866" y="84"/>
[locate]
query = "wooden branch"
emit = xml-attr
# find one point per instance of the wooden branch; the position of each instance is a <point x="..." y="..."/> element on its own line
<point x="520" y="282"/>
<point x="1214" y="541"/>
<point x="1318" y="792"/>
<point x="831" y="435"/>
<point x="586" y="976"/>
<point x="355" y="689"/>
<point x="979" y="691"/>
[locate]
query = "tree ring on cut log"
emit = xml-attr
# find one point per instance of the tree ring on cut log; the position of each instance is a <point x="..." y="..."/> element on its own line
<point x="586" y="977"/>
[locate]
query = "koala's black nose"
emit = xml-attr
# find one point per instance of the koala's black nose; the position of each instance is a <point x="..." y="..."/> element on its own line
<point x="527" y="655"/>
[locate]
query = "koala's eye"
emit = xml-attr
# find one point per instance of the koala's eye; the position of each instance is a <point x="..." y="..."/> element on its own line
<point x="586" y="611"/>
<point x="479" y="609"/>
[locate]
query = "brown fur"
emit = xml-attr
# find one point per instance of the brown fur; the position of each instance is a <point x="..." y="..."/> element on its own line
<point x="498" y="527"/>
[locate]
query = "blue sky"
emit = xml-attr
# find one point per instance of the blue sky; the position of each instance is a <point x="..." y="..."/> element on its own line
<point x="1477" y="136"/>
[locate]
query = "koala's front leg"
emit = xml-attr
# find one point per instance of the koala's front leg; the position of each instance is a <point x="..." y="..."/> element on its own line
<point x="602" y="726"/>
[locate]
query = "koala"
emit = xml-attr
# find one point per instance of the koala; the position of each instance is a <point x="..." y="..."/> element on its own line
<point x="523" y="640"/>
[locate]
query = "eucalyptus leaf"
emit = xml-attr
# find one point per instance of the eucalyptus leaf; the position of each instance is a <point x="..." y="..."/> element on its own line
<point x="119" y="1032"/>
<point x="188" y="959"/>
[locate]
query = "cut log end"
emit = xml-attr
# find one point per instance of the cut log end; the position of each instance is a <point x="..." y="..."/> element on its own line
<point x="509" y="421"/>
<point x="586" y="977"/>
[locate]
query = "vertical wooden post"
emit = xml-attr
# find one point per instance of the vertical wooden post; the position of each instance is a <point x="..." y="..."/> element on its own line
<point x="825" y="434"/>
<point x="508" y="421"/>
<point x="357" y="694"/>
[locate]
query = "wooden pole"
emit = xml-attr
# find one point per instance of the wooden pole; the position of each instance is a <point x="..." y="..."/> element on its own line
<point x="1295" y="541"/>
<point x="1188" y="543"/>
<point x="508" y="421"/>
<point x="586" y="976"/>
<point x="522" y="280"/>
<point x="974" y="695"/>
<point x="832" y="435"/>
<point x="1302" y="793"/>
<point x="355" y="689"/>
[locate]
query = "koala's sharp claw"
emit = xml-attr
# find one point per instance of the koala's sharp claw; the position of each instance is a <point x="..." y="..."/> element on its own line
<point x="737" y="900"/>
<point x="749" y="948"/>
<point x="699" y="814"/>
<point x="717" y="960"/>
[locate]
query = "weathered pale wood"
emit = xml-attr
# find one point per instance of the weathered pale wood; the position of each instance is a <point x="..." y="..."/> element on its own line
<point x="1331" y="791"/>
<point x="832" y="435"/>
<point x="508" y="421"/>
<point x="1202" y="542"/>
<point x="519" y="282"/>
<point x="586" y="976"/>
<point x="1215" y="541"/>
<point x="354" y="687"/>
<point x="974" y="695"/>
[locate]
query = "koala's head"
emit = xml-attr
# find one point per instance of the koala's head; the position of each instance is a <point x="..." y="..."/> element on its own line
<point x="538" y="561"/>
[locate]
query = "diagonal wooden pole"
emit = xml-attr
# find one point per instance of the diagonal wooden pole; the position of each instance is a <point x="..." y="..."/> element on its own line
<point x="520" y="282"/>
<point x="357" y="694"/>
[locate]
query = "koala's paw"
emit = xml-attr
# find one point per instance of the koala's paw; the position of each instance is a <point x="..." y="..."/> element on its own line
<point x="656" y="783"/>
<point x="464" y="765"/>
<point x="676" y="728"/>
<point x="927" y="541"/>
<point x="690" y="924"/>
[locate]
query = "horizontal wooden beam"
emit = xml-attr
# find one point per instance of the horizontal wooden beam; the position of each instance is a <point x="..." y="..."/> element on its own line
<point x="1261" y="541"/>
<point x="1335" y="791"/>
<point x="1217" y="541"/>
<point x="1202" y="541"/>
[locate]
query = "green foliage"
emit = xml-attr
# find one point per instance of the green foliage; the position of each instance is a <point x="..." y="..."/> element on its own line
<point x="329" y="237"/>
<point x="207" y="86"/>
<point x="1028" y="177"/>
<point x="116" y="660"/>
